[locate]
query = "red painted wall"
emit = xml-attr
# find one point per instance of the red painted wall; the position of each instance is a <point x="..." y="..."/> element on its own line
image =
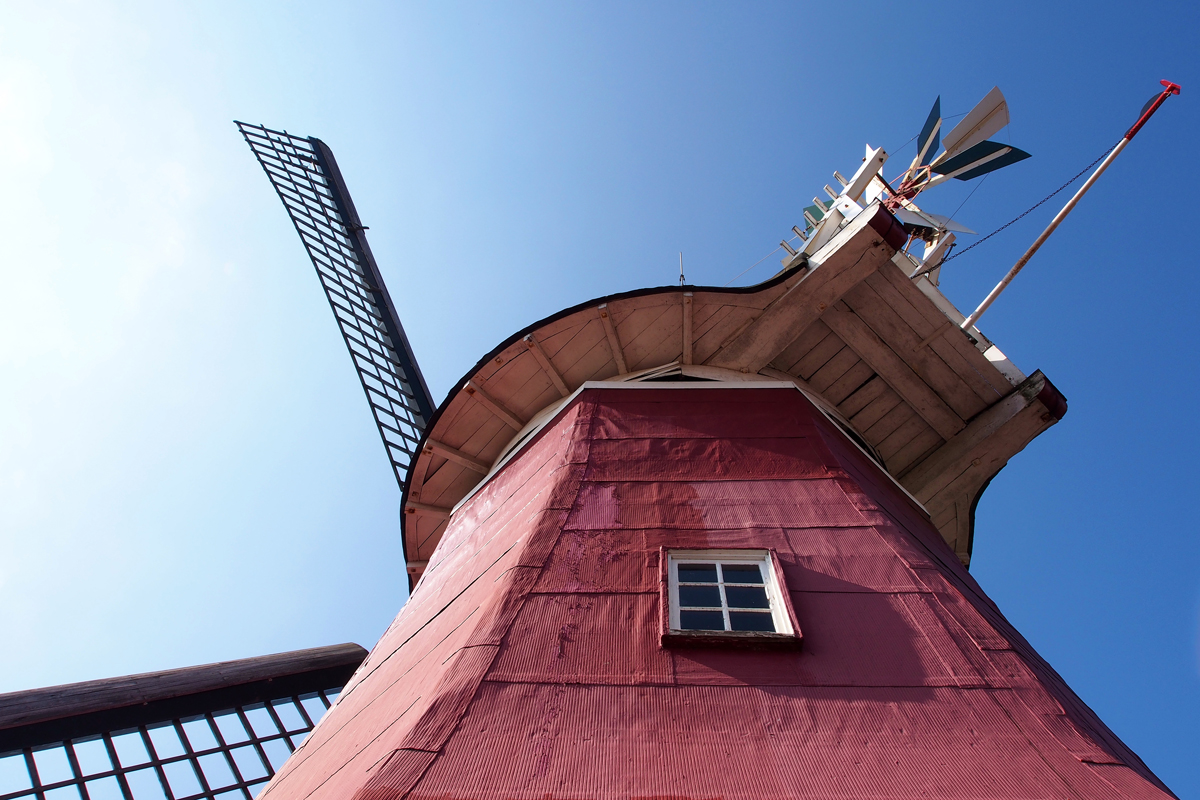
<point x="527" y="664"/>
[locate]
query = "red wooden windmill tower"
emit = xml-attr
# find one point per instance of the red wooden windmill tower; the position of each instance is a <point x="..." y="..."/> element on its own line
<point x="702" y="542"/>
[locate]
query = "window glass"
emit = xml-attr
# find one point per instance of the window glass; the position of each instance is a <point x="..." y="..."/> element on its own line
<point x="725" y="591"/>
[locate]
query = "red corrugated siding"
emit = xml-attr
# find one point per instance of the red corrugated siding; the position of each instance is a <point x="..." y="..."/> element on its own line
<point x="528" y="664"/>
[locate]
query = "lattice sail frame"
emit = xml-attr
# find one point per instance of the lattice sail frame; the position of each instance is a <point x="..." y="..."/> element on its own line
<point x="228" y="754"/>
<point x="306" y="177"/>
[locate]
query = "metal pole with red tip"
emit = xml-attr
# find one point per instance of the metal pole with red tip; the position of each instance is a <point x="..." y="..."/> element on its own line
<point x="1168" y="90"/>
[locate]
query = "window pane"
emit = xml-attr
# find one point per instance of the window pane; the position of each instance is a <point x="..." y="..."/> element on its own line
<point x="698" y="573"/>
<point x="64" y="793"/>
<point x="702" y="621"/>
<point x="746" y="597"/>
<point x="751" y="621"/>
<point x="742" y="573"/>
<point x="703" y="596"/>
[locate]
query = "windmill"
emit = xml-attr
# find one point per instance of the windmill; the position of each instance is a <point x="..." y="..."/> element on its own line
<point x="308" y="181"/>
<point x="695" y="541"/>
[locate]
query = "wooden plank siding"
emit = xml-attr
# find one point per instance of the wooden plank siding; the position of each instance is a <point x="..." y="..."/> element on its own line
<point x="850" y="382"/>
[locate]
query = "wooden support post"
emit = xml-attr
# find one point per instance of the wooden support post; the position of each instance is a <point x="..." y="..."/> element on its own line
<point x="491" y="404"/>
<point x="962" y="520"/>
<point x="989" y="429"/>
<point x="543" y="360"/>
<point x="687" y="328"/>
<point x="426" y="510"/>
<point x="420" y="469"/>
<point x="457" y="456"/>
<point x="614" y="344"/>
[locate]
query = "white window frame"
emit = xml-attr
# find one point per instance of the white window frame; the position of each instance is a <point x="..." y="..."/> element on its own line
<point x="780" y="608"/>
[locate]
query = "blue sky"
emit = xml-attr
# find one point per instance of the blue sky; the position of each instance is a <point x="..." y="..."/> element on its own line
<point x="188" y="470"/>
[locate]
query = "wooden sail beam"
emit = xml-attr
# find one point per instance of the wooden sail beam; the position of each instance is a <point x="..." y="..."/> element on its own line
<point x="38" y="717"/>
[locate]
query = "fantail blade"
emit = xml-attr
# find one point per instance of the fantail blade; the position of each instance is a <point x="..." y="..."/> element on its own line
<point x="986" y="118"/>
<point x="927" y="140"/>
<point x="980" y="159"/>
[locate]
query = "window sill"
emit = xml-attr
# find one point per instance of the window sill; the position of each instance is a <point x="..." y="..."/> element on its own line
<point x="735" y="640"/>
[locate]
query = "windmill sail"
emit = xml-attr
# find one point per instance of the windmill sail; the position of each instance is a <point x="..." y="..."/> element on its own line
<point x="307" y="179"/>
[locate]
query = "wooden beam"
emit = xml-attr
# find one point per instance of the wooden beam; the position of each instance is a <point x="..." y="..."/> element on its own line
<point x="859" y="337"/>
<point x="495" y="406"/>
<point x="420" y="470"/>
<point x="687" y="328"/>
<point x="75" y="710"/>
<point x="962" y="538"/>
<point x="543" y="360"/>
<point x="945" y="326"/>
<point x="855" y="252"/>
<point x="956" y="350"/>
<point x="614" y="344"/>
<point x="906" y="343"/>
<point x="426" y="510"/>
<point x="457" y="456"/>
<point x="989" y="429"/>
